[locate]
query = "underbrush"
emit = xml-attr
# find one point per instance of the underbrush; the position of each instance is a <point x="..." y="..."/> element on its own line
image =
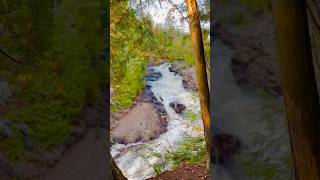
<point x="191" y="150"/>
<point x="59" y="81"/>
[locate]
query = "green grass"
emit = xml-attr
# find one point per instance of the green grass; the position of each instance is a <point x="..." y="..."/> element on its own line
<point x="191" y="150"/>
<point x="192" y="116"/>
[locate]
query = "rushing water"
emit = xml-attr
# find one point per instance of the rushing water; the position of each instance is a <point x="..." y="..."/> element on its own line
<point x="239" y="112"/>
<point x="135" y="160"/>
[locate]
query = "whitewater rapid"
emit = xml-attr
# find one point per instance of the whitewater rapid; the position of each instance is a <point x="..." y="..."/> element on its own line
<point x="136" y="160"/>
<point x="240" y="112"/>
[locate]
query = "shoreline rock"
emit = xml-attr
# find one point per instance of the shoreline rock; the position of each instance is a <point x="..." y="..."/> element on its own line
<point x="141" y="123"/>
<point x="254" y="62"/>
<point x="188" y="74"/>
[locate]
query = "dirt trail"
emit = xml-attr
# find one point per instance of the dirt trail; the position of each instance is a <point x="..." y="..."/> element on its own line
<point x="86" y="160"/>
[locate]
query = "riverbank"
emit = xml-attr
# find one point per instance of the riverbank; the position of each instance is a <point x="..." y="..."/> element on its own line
<point x="127" y="126"/>
<point x="185" y="172"/>
<point x="248" y="101"/>
<point x="249" y="31"/>
<point x="146" y="157"/>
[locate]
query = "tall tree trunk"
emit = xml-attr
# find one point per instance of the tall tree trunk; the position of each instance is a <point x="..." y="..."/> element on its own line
<point x="200" y="63"/>
<point x="299" y="86"/>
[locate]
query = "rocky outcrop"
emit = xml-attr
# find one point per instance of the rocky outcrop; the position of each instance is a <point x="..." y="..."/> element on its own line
<point x="152" y="75"/>
<point x="188" y="74"/>
<point x="141" y="123"/>
<point x="254" y="62"/>
<point x="224" y="147"/>
<point x="145" y="120"/>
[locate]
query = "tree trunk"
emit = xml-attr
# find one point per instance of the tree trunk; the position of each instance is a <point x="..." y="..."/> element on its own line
<point x="200" y="63"/>
<point x="115" y="172"/>
<point x="299" y="86"/>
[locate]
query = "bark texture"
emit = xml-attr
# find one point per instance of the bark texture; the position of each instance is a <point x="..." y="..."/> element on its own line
<point x="200" y="64"/>
<point x="299" y="86"/>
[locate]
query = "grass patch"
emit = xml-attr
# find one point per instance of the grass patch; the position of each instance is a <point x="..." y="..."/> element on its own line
<point x="191" y="150"/>
<point x="192" y="116"/>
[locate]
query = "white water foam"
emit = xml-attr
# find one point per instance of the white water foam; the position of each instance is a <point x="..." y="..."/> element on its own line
<point x="134" y="159"/>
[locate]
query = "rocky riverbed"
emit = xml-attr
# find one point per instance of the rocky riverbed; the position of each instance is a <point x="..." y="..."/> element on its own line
<point x="134" y="124"/>
<point x="248" y="102"/>
<point x="251" y="34"/>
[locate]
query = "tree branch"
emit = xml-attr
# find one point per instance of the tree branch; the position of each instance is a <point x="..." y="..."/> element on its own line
<point x="176" y="7"/>
<point x="314" y="11"/>
<point x="9" y="57"/>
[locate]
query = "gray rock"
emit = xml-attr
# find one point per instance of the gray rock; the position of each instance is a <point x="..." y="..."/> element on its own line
<point x="177" y="107"/>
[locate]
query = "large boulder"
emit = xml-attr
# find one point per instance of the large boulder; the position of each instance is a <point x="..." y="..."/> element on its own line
<point x="224" y="146"/>
<point x="141" y="123"/>
<point x="177" y="107"/>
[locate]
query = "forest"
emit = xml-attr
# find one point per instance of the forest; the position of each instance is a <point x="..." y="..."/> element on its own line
<point x="52" y="69"/>
<point x="244" y="105"/>
<point x="157" y="102"/>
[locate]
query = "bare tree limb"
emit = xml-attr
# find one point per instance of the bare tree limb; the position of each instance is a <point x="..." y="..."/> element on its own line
<point x="176" y="7"/>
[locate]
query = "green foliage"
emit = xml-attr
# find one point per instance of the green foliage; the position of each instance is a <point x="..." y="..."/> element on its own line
<point x="130" y="85"/>
<point x="261" y="169"/>
<point x="131" y="44"/>
<point x="65" y="73"/>
<point x="190" y="150"/>
<point x="134" y="40"/>
<point x="192" y="116"/>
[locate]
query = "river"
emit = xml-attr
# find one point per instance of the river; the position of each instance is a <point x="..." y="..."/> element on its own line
<point x="243" y="113"/>
<point x="136" y="160"/>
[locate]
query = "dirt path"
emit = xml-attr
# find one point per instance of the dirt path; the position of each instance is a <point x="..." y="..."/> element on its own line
<point x="86" y="160"/>
<point x="185" y="172"/>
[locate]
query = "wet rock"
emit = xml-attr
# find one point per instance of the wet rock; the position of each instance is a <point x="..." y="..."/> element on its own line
<point x="142" y="123"/>
<point x="254" y="61"/>
<point x="152" y="75"/>
<point x="188" y="74"/>
<point x="174" y="70"/>
<point x="224" y="146"/>
<point x="177" y="107"/>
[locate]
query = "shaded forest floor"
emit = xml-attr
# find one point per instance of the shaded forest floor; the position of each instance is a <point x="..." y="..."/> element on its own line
<point x="185" y="172"/>
<point x="86" y="160"/>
